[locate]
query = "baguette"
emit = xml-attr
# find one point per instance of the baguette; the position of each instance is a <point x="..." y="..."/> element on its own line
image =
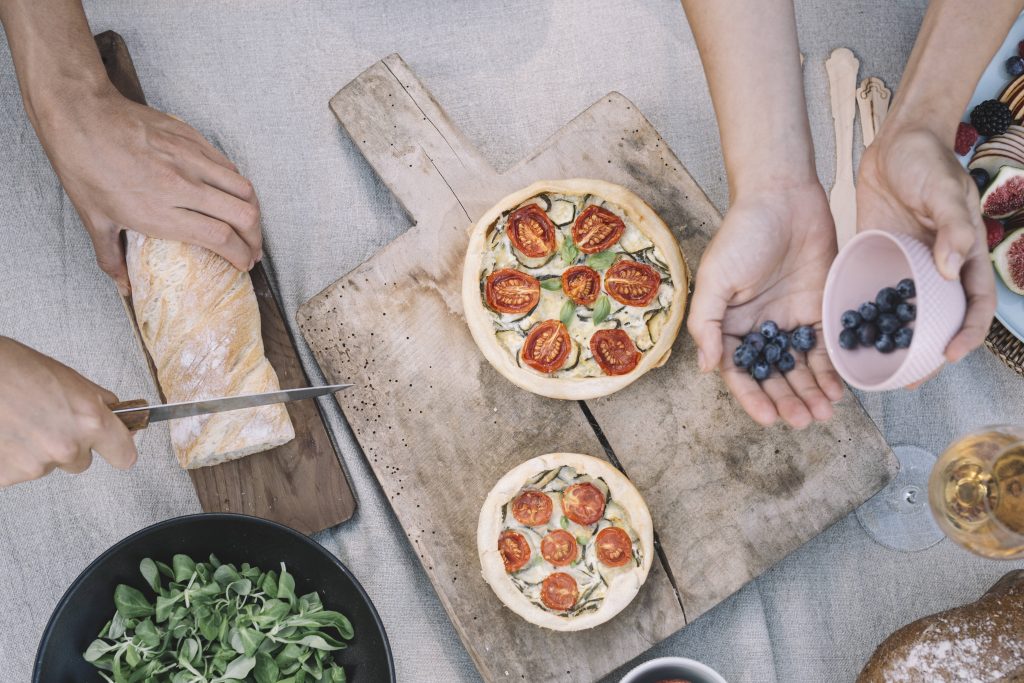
<point x="198" y="317"/>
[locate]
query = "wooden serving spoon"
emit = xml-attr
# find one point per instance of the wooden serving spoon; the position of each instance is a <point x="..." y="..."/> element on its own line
<point x="842" y="68"/>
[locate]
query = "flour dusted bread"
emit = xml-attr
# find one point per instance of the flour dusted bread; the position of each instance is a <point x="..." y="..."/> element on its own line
<point x="982" y="641"/>
<point x="200" y="322"/>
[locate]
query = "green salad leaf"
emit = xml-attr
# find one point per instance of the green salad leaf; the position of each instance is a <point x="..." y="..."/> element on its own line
<point x="211" y="622"/>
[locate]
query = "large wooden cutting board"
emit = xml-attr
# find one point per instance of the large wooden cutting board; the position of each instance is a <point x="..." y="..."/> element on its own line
<point x="440" y="426"/>
<point x="300" y="484"/>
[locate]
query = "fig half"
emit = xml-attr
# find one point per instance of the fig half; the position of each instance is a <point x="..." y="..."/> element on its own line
<point x="1008" y="259"/>
<point x="1005" y="194"/>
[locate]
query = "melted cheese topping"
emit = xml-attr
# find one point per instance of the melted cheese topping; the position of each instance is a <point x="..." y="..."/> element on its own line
<point x="591" y="575"/>
<point x="643" y="324"/>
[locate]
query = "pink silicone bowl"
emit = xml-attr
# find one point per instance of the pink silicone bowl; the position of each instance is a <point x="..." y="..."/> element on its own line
<point x="870" y="261"/>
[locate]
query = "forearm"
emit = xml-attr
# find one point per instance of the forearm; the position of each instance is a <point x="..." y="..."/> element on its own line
<point x="54" y="54"/>
<point x="752" y="61"/>
<point x="956" y="42"/>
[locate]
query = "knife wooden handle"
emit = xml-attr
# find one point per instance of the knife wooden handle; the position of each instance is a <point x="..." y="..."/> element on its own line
<point x="133" y="421"/>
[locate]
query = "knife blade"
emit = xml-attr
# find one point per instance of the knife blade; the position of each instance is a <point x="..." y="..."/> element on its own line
<point x="138" y="414"/>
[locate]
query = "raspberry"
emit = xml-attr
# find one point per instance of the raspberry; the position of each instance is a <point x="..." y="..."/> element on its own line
<point x="966" y="136"/>
<point x="994" y="231"/>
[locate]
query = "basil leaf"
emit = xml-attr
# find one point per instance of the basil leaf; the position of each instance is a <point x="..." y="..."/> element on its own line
<point x="552" y="284"/>
<point x="602" y="308"/>
<point x="601" y="260"/>
<point x="568" y="308"/>
<point x="564" y="522"/>
<point x="568" y="250"/>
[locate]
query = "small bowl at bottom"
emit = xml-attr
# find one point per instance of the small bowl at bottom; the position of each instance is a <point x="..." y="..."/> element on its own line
<point x="870" y="261"/>
<point x="672" y="669"/>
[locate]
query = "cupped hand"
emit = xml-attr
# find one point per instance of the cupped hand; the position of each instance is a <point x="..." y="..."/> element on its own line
<point x="50" y="417"/>
<point x="910" y="182"/>
<point x="769" y="261"/>
<point x="125" y="165"/>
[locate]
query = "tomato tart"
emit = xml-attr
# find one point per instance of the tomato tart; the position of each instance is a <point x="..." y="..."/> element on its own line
<point x="565" y="541"/>
<point x="574" y="288"/>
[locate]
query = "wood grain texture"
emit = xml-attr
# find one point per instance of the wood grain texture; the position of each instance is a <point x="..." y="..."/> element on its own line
<point x="842" y="68"/>
<point x="440" y="426"/>
<point x="873" y="102"/>
<point x="301" y="483"/>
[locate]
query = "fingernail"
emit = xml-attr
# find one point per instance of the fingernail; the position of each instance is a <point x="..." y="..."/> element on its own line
<point x="954" y="262"/>
<point x="701" y="363"/>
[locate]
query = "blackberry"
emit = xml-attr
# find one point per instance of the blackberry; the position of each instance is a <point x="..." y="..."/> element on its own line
<point x="803" y="338"/>
<point x="744" y="356"/>
<point x="991" y="117"/>
<point x="851" y="319"/>
<point x="786" y="362"/>
<point x="848" y="339"/>
<point x="769" y="329"/>
<point x="868" y="311"/>
<point x="906" y="288"/>
<point x="761" y="370"/>
<point x="867" y="333"/>
<point x="906" y="312"/>
<point x="903" y="337"/>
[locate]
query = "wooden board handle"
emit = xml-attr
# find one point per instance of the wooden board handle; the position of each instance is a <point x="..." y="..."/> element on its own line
<point x="133" y="421"/>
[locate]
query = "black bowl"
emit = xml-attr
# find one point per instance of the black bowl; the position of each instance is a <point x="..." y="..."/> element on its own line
<point x="89" y="602"/>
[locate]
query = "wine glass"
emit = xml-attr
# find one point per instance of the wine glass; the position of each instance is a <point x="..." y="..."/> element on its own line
<point x="976" y="492"/>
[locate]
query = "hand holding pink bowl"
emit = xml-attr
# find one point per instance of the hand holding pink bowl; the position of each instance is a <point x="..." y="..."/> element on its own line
<point x="870" y="261"/>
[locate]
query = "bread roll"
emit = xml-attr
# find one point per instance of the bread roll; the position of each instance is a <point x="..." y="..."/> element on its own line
<point x="198" y="318"/>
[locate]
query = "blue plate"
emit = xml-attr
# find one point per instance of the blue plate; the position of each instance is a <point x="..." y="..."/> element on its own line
<point x="1010" y="306"/>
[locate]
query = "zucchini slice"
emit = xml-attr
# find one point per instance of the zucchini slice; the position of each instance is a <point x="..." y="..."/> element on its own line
<point x="562" y="212"/>
<point x="656" y="323"/>
<point x="532" y="263"/>
<point x="573" y="360"/>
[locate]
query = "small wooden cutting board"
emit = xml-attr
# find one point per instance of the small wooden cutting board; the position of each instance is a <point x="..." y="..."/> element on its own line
<point x="300" y="484"/>
<point x="439" y="426"/>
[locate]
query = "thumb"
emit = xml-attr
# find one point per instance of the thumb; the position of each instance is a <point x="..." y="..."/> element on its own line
<point x="705" y="322"/>
<point x="958" y="226"/>
<point x="110" y="256"/>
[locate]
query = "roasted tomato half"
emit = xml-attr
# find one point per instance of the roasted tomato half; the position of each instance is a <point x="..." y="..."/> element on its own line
<point x="597" y="229"/>
<point x="582" y="284"/>
<point x="559" y="592"/>
<point x="532" y="508"/>
<point x="531" y="231"/>
<point x="547" y="346"/>
<point x="514" y="550"/>
<point x="614" y="546"/>
<point x="632" y="283"/>
<point x="583" y="503"/>
<point x="510" y="291"/>
<point x="614" y="351"/>
<point x="559" y="548"/>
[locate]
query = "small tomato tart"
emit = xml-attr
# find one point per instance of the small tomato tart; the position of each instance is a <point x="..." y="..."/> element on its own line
<point x="574" y="288"/>
<point x="565" y="541"/>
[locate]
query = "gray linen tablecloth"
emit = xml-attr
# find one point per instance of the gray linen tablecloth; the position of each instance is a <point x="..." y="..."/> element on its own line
<point x="255" y="78"/>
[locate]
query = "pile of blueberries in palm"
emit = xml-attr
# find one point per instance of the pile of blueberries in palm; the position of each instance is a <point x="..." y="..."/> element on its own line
<point x="881" y="323"/>
<point x="770" y="346"/>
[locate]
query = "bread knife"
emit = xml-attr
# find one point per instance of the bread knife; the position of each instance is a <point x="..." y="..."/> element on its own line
<point x="137" y="414"/>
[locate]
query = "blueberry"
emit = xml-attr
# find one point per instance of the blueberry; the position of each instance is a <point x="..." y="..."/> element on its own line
<point x="786" y="362"/>
<point x="867" y="333"/>
<point x="848" y="339"/>
<point x="868" y="311"/>
<point x="885" y="343"/>
<point x="903" y="337"/>
<point x="887" y="299"/>
<point x="888" y="323"/>
<point x="772" y="353"/>
<point x="781" y="340"/>
<point x="906" y="312"/>
<point x="980" y="177"/>
<point x="851" y="319"/>
<point x="803" y="338"/>
<point x="1014" y="66"/>
<point x="744" y="356"/>
<point x="755" y="340"/>
<point x="906" y="289"/>
<point x="761" y="370"/>
<point x="769" y="329"/>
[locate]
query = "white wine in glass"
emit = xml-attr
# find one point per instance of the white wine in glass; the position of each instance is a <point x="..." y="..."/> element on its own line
<point x="976" y="492"/>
